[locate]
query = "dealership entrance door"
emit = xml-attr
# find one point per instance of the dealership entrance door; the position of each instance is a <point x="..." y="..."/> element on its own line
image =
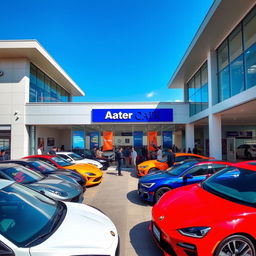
<point x="5" y="139"/>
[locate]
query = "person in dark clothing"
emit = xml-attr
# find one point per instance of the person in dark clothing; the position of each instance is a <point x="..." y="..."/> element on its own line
<point x="3" y="155"/>
<point x="119" y="158"/>
<point x="189" y="150"/>
<point x="170" y="157"/>
<point x="53" y="151"/>
<point x="144" y="153"/>
<point x="195" y="151"/>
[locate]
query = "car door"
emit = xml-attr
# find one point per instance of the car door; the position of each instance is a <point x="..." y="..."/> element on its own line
<point x="197" y="173"/>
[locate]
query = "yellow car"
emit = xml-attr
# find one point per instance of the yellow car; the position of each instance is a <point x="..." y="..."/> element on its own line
<point x="91" y="173"/>
<point x="152" y="165"/>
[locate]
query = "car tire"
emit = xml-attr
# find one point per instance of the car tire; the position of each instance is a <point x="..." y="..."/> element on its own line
<point x="232" y="244"/>
<point x="152" y="170"/>
<point x="160" y="192"/>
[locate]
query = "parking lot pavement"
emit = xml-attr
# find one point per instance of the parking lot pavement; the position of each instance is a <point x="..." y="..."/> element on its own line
<point x="117" y="197"/>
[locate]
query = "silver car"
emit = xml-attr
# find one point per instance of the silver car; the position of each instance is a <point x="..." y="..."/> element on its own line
<point x="52" y="187"/>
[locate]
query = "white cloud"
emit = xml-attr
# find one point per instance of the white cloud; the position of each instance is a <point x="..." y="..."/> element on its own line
<point x="177" y="100"/>
<point x="150" y="94"/>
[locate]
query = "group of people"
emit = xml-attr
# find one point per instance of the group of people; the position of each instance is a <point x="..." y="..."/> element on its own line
<point x="52" y="151"/>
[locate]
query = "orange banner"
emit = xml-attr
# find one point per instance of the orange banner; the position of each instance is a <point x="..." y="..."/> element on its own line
<point x="152" y="141"/>
<point x="107" y="141"/>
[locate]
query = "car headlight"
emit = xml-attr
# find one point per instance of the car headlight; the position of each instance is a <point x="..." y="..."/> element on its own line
<point x="90" y="174"/>
<point x="147" y="185"/>
<point x="143" y="166"/>
<point x="197" y="232"/>
<point x="58" y="193"/>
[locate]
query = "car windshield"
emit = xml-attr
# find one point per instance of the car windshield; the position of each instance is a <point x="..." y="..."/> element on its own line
<point x="19" y="208"/>
<point x="178" y="169"/>
<point x="75" y="156"/>
<point x="43" y="167"/>
<point x="235" y="184"/>
<point x="22" y="175"/>
<point x="60" y="161"/>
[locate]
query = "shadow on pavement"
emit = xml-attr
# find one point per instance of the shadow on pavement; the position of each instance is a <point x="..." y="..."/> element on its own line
<point x="142" y="241"/>
<point x="133" y="197"/>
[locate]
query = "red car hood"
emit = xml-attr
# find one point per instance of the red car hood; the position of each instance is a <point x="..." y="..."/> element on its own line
<point x="193" y="206"/>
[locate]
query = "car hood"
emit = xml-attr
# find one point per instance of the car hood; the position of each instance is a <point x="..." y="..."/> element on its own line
<point x="89" y="161"/>
<point x="86" y="168"/>
<point x="82" y="227"/>
<point x="55" y="183"/>
<point x="149" y="162"/>
<point x="183" y="207"/>
<point x="156" y="176"/>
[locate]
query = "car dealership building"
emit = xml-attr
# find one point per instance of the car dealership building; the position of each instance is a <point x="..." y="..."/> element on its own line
<point x="217" y="73"/>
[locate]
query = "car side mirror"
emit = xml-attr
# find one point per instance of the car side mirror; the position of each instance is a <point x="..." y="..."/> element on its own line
<point x="187" y="176"/>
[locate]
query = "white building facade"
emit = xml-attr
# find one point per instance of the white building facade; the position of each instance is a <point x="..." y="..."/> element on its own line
<point x="218" y="75"/>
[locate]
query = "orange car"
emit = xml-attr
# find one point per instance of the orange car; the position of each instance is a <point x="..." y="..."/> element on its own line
<point x="152" y="165"/>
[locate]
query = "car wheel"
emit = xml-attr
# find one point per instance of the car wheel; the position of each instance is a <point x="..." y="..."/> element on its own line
<point x="159" y="193"/>
<point x="236" y="245"/>
<point x="152" y="170"/>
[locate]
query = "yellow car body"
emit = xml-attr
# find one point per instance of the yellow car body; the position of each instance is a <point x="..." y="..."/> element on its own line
<point x="150" y="165"/>
<point x="91" y="173"/>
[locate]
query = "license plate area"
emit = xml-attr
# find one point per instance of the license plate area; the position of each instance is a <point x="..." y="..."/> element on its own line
<point x="156" y="232"/>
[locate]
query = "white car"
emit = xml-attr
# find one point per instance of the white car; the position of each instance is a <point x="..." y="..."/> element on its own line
<point x="76" y="159"/>
<point x="247" y="151"/>
<point x="32" y="224"/>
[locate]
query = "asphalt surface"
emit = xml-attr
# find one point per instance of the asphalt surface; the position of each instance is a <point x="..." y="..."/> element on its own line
<point x="117" y="197"/>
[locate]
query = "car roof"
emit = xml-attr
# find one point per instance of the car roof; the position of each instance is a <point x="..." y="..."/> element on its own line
<point x="5" y="183"/>
<point x="65" y="153"/>
<point x="37" y="156"/>
<point x="245" y="165"/>
<point x="190" y="154"/>
<point x="7" y="165"/>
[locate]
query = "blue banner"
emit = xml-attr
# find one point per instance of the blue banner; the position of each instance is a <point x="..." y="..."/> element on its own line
<point x="137" y="139"/>
<point x="78" y="140"/>
<point x="94" y="139"/>
<point x="167" y="139"/>
<point x="132" y="115"/>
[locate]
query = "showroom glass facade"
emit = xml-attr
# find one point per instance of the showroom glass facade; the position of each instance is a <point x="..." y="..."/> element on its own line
<point x="237" y="59"/>
<point x="197" y="91"/>
<point x="44" y="89"/>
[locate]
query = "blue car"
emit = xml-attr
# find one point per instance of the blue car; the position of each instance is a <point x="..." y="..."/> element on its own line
<point x="151" y="187"/>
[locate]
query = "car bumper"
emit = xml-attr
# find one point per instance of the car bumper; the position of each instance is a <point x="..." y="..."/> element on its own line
<point x="175" y="244"/>
<point x="92" y="180"/>
<point x="145" y="194"/>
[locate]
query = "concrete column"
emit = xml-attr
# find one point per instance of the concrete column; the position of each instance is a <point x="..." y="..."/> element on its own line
<point x="189" y="136"/>
<point x="215" y="142"/>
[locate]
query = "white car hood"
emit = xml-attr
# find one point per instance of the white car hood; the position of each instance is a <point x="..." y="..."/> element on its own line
<point x="84" y="229"/>
<point x="89" y="161"/>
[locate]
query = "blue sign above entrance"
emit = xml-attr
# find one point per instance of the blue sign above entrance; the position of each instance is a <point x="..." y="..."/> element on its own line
<point x="132" y="115"/>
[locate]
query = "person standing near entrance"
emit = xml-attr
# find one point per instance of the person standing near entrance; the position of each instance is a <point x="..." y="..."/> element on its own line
<point x="134" y="157"/>
<point x="119" y="158"/>
<point x="159" y="153"/>
<point x="40" y="150"/>
<point x="126" y="156"/>
<point x="3" y="155"/>
<point x="170" y="157"/>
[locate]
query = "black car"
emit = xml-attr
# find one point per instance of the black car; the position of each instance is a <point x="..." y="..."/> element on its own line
<point x="47" y="169"/>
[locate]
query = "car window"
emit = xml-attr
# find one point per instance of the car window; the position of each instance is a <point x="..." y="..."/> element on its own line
<point x="63" y="156"/>
<point x="75" y="156"/>
<point x="47" y="161"/>
<point x="180" y="158"/>
<point x="218" y="167"/>
<point x="200" y="170"/>
<point x="22" y="175"/>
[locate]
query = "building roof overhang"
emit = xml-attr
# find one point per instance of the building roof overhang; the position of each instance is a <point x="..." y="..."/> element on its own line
<point x="221" y="19"/>
<point x="34" y="52"/>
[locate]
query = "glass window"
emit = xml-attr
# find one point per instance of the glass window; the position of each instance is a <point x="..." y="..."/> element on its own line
<point x="204" y="74"/>
<point x="44" y="89"/>
<point x="250" y="29"/>
<point x="237" y="76"/>
<point x="235" y="44"/>
<point x="205" y="96"/>
<point x="224" y="89"/>
<point x="223" y="55"/>
<point x="250" y="66"/>
<point x="197" y="81"/>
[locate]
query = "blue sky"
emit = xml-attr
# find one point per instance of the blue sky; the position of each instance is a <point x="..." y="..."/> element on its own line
<point x="115" y="50"/>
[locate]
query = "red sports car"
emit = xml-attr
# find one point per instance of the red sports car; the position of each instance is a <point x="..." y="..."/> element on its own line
<point x="216" y="217"/>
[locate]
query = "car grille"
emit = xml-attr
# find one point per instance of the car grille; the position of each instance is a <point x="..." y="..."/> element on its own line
<point x="165" y="246"/>
<point x="97" y="179"/>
